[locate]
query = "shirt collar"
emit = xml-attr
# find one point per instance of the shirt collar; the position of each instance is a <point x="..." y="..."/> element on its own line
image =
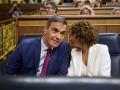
<point x="43" y="46"/>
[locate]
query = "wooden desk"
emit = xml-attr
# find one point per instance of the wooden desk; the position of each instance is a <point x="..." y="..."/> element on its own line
<point x="76" y="11"/>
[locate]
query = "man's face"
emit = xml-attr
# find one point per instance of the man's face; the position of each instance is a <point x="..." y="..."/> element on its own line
<point x="54" y="34"/>
<point x="50" y="10"/>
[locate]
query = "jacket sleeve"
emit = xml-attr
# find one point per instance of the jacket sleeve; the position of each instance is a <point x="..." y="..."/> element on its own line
<point x="63" y="70"/>
<point x="12" y="65"/>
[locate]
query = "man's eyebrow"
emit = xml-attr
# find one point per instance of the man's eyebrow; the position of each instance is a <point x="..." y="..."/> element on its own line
<point x="55" y="28"/>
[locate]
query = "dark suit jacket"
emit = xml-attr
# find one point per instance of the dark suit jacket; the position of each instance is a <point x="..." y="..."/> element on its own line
<point x="25" y="59"/>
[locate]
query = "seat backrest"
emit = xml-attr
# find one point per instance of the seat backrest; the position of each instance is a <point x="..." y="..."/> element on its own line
<point x="113" y="42"/>
<point x="28" y="37"/>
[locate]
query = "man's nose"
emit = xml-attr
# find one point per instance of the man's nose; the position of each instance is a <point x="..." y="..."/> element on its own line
<point x="58" y="35"/>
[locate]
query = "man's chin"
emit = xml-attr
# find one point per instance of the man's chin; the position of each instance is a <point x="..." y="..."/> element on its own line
<point x="55" y="45"/>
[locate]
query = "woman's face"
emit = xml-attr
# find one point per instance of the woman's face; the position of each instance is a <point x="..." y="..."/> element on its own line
<point x="116" y="12"/>
<point x="97" y="4"/>
<point x="85" y="12"/>
<point x="79" y="5"/>
<point x="74" y="43"/>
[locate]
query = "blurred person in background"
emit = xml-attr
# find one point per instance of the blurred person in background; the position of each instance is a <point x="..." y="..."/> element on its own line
<point x="79" y="4"/>
<point x="15" y="10"/>
<point x="116" y="11"/>
<point x="86" y="10"/>
<point x="113" y="3"/>
<point x="51" y="8"/>
<point x="97" y="4"/>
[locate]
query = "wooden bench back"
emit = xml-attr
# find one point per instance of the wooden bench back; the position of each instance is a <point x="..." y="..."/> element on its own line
<point x="28" y="25"/>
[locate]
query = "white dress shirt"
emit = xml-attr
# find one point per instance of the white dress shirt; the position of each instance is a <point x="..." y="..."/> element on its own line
<point x="42" y="56"/>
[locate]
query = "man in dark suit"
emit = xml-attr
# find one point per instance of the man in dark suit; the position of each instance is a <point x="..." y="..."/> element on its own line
<point x="51" y="8"/>
<point x="29" y="56"/>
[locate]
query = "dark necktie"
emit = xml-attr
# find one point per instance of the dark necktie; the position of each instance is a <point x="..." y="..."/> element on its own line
<point x="46" y="61"/>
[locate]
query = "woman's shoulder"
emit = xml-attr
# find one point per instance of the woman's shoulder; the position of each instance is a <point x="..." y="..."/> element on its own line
<point x="100" y="47"/>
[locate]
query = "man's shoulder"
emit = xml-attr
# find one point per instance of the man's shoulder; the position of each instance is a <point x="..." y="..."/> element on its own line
<point x="64" y="44"/>
<point x="28" y="45"/>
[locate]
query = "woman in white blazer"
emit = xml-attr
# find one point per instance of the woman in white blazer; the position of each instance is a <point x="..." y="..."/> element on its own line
<point x="87" y="57"/>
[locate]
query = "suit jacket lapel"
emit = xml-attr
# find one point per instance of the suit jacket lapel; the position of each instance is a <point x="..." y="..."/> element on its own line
<point x="52" y="59"/>
<point x="37" y="54"/>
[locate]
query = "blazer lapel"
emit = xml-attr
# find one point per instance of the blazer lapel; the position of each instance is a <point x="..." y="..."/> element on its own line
<point x="91" y="57"/>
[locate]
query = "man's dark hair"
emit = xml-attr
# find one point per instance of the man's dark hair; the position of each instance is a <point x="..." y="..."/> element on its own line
<point x="56" y="18"/>
<point x="54" y="6"/>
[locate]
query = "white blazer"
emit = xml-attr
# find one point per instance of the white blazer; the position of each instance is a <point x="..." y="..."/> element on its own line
<point x="99" y="62"/>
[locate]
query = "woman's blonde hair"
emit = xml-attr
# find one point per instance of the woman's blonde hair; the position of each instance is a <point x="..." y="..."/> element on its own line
<point x="115" y="9"/>
<point x="88" y="8"/>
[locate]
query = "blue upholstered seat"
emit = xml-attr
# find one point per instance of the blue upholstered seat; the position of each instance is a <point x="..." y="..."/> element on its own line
<point x="28" y="37"/>
<point x="112" y="40"/>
